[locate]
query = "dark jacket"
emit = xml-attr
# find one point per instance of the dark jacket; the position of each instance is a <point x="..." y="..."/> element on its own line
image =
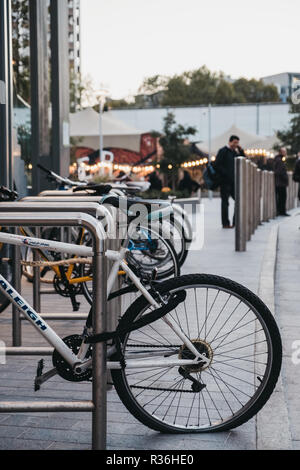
<point x="188" y="184"/>
<point x="155" y="182"/>
<point x="224" y="165"/>
<point x="281" y="176"/>
<point x="296" y="174"/>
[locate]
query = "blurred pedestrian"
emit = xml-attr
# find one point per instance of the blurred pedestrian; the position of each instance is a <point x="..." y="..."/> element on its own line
<point x="225" y="167"/>
<point x="155" y="181"/>
<point x="296" y="174"/>
<point x="281" y="182"/>
<point x="187" y="184"/>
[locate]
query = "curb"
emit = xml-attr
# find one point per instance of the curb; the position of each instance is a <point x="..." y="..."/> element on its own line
<point x="272" y="422"/>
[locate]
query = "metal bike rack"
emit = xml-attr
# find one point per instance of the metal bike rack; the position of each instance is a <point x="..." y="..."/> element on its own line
<point x="91" y="208"/>
<point x="98" y="403"/>
<point x="255" y="200"/>
<point x="114" y="306"/>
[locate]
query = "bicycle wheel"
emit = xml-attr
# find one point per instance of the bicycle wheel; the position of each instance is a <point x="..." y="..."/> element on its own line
<point x="232" y="327"/>
<point x="150" y="250"/>
<point x="6" y="270"/>
<point x="163" y="257"/>
<point x="179" y="239"/>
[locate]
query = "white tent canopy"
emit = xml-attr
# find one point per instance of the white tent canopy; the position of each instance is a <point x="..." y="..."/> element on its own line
<point x="85" y="124"/>
<point x="247" y="141"/>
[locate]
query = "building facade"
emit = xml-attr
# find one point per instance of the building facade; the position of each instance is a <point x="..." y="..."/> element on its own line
<point x="286" y="83"/>
<point x="74" y="35"/>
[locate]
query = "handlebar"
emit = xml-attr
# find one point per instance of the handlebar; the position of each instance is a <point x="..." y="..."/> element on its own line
<point x="99" y="189"/>
<point x="59" y="179"/>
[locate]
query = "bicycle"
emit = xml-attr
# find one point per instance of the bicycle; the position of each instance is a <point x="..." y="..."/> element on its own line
<point x="181" y="230"/>
<point x="71" y="281"/>
<point x="196" y="353"/>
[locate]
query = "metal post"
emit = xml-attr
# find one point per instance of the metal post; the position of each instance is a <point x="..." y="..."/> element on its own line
<point x="99" y="349"/>
<point x="253" y="172"/>
<point x="16" y="316"/>
<point x="249" y="198"/>
<point x="262" y="188"/>
<point x="265" y="196"/>
<point x="40" y="136"/>
<point x="37" y="277"/>
<point x="98" y="405"/>
<point x="60" y="86"/>
<point x="240" y="203"/>
<point x="5" y="94"/>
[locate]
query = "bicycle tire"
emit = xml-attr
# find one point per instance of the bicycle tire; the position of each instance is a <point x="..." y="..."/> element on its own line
<point x="185" y="242"/>
<point x="124" y="384"/>
<point x="174" y="271"/>
<point x="6" y="270"/>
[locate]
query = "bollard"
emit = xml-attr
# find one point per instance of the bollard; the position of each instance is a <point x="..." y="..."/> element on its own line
<point x="274" y="197"/>
<point x="240" y="204"/>
<point x="253" y="226"/>
<point x="258" y="199"/>
<point x="248" y="198"/>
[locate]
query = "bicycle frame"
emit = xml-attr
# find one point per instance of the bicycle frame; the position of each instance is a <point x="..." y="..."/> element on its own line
<point x="49" y="334"/>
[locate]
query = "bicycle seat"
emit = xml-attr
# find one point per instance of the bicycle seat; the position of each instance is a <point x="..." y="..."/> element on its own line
<point x="7" y="194"/>
<point x="155" y="209"/>
<point x="98" y="189"/>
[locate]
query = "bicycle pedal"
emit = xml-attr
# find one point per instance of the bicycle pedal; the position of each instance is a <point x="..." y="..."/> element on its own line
<point x="76" y="307"/>
<point x="39" y="372"/>
<point x="40" y="377"/>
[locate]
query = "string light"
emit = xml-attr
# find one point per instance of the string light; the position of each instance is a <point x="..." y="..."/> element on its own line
<point x="126" y="168"/>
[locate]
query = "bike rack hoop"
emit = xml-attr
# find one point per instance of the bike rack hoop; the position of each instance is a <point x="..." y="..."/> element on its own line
<point x="98" y="403"/>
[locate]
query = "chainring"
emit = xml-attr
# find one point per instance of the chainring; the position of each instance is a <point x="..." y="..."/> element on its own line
<point x="63" y="368"/>
<point x="63" y="288"/>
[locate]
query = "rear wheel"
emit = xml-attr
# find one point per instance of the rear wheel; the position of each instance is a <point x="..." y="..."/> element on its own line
<point x="157" y="253"/>
<point x="224" y="321"/>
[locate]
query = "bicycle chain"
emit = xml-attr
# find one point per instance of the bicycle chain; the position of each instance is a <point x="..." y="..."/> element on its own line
<point x="159" y="389"/>
<point x="154" y="388"/>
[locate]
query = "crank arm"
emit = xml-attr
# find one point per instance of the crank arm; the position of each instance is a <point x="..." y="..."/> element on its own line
<point x="39" y="380"/>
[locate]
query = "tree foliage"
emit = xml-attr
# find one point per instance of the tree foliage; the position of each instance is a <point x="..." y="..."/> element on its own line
<point x="290" y="138"/>
<point x="201" y="87"/>
<point x="172" y="142"/>
<point x="20" y="44"/>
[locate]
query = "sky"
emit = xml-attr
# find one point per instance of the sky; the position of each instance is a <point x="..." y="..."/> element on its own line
<point x="124" y="41"/>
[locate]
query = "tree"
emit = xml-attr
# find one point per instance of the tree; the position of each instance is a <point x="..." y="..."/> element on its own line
<point x="290" y="138"/>
<point x="201" y="87"/>
<point x="20" y="44"/>
<point x="254" y="91"/>
<point x="172" y="142"/>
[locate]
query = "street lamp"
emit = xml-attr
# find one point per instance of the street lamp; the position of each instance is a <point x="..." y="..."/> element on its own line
<point x="101" y="97"/>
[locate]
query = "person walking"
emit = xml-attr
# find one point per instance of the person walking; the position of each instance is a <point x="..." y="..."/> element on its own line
<point x="155" y="181"/>
<point x="187" y="184"/>
<point x="225" y="167"/>
<point x="281" y="182"/>
<point x="296" y="174"/>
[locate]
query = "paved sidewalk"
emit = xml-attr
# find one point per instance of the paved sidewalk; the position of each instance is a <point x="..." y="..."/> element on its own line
<point x="287" y="289"/>
<point x="73" y="431"/>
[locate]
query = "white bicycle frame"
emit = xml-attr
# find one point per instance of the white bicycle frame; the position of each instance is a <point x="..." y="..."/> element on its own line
<point x="54" y="340"/>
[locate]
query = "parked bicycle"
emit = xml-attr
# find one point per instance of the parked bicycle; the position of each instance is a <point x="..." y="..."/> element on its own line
<point x="197" y="353"/>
